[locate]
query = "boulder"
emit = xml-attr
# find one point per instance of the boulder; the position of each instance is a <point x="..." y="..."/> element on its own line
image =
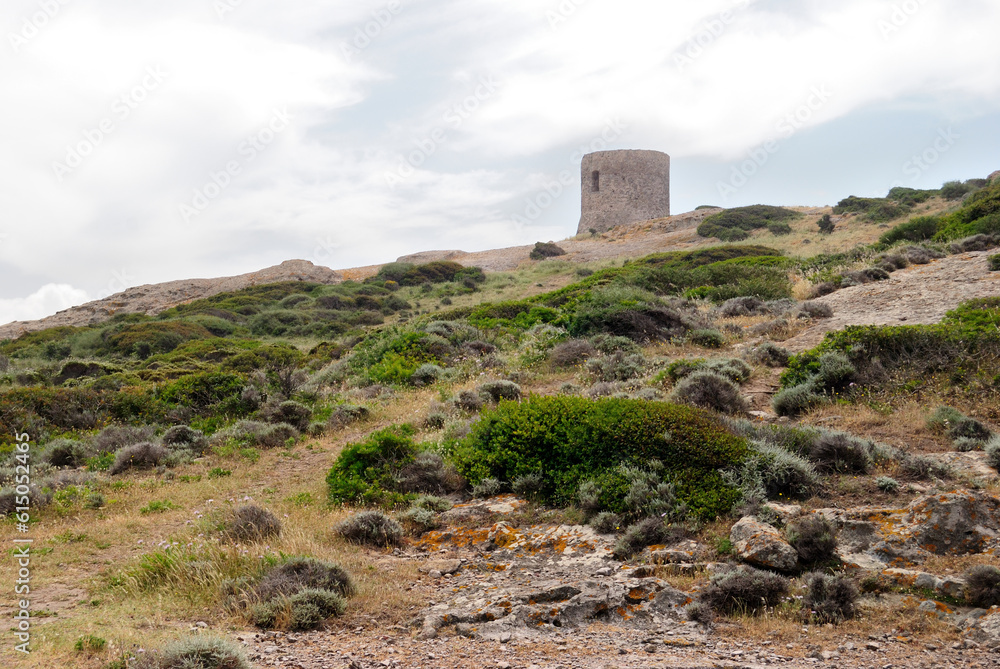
<point x="762" y="545"/>
<point x="957" y="523"/>
<point x="441" y="566"/>
<point x="986" y="629"/>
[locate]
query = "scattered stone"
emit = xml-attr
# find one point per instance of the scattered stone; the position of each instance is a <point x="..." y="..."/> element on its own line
<point x="762" y="545"/>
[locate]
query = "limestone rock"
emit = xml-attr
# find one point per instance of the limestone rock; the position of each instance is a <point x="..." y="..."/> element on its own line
<point x="442" y="566"/>
<point x="762" y="545"/>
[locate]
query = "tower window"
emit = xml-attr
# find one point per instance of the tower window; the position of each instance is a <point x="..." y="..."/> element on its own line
<point x="595" y="179"/>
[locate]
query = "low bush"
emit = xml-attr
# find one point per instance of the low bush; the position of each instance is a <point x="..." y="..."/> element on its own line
<point x="115" y="437"/>
<point x="815" y="310"/>
<point x="992" y="449"/>
<point x="486" y="488"/>
<point x="527" y="486"/>
<point x="305" y="610"/>
<point x="371" y="528"/>
<point x="887" y="484"/>
<point x="770" y="355"/>
<point x="707" y="338"/>
<point x="618" y="366"/>
<point x="700" y="612"/>
<point x="303" y="573"/>
<point x="184" y="438"/>
<point x="742" y="306"/>
<point x="470" y="401"/>
<point x="923" y="467"/>
<point x="428" y="473"/>
<point x="367" y="472"/>
<point x="196" y="652"/>
<point x="545" y="250"/>
<point x="606" y="522"/>
<point x="969" y="428"/>
<point x="256" y="434"/>
<point x="733" y="225"/>
<point x="431" y="503"/>
<point x="345" y="414"/>
<point x="66" y="453"/>
<point x="145" y="455"/>
<point x="637" y="536"/>
<point x="994" y="262"/>
<point x="744" y="590"/>
<point x="570" y="440"/>
<point x="500" y="390"/>
<point x="779" y="229"/>
<point x="982" y="586"/>
<point x="426" y="374"/>
<point x="814" y="538"/>
<point x="915" y="230"/>
<point x="710" y="390"/>
<point x="838" y="452"/>
<point x="251" y="523"/>
<point x="781" y="473"/>
<point x="829" y="599"/>
<point x="571" y="353"/>
<point x="826" y="224"/>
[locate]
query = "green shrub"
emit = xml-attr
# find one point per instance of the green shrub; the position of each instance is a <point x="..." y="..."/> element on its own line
<point x="526" y="486"/>
<point x="915" y="230"/>
<point x="744" y="590"/>
<point x="589" y="496"/>
<point x="572" y="439"/>
<point x="184" y="438"/>
<point x="305" y="610"/>
<point x="779" y="229"/>
<point x="826" y="225"/>
<point x="256" y="434"/>
<point x="876" y="210"/>
<point x="431" y="503"/>
<point x="367" y="472"/>
<point x="710" y="390"/>
<point x="814" y="538"/>
<point x="829" y="599"/>
<point x="251" y="523"/>
<point x="66" y="453"/>
<point x="419" y="520"/>
<point x="371" y="528"/>
<point x="428" y="473"/>
<point x="426" y="374"/>
<point x="345" y="414"/>
<point x="733" y="225"/>
<point x="994" y="261"/>
<point x="944" y="417"/>
<point x="626" y="311"/>
<point x="195" y="652"/>
<point x="969" y="428"/>
<point x="982" y="586"/>
<point x="571" y="353"/>
<point x="545" y="250"/>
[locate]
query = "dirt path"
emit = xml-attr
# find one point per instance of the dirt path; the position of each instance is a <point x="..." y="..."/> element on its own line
<point x="918" y="295"/>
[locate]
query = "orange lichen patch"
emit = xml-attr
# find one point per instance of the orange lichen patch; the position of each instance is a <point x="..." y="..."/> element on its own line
<point x="679" y="643"/>
<point x="435" y="540"/>
<point x="495" y="566"/>
<point x="640" y="594"/>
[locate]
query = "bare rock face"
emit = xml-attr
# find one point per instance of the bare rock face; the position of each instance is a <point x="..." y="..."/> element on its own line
<point x="153" y="298"/>
<point x="762" y="545"/>
<point x="958" y="523"/>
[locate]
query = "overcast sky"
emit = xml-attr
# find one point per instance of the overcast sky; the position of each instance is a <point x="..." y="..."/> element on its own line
<point x="145" y="141"/>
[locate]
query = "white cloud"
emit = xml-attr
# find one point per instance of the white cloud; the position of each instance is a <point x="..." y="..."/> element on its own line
<point x="681" y="76"/>
<point x="46" y="301"/>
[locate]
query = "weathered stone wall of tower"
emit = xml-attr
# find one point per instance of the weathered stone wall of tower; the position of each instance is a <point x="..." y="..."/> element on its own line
<point x="621" y="187"/>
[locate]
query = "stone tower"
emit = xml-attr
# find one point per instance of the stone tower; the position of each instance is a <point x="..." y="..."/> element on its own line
<point x="621" y="187"/>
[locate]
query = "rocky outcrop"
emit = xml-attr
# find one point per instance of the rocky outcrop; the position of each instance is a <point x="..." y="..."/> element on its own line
<point x="153" y="298"/>
<point x="520" y="610"/>
<point x="762" y="545"/>
<point x="994" y="177"/>
<point x="956" y="523"/>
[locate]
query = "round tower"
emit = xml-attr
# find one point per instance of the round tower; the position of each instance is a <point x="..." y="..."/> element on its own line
<point x="621" y="187"/>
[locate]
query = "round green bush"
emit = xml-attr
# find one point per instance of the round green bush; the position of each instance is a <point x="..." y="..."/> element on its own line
<point x="710" y="390"/>
<point x="570" y="440"/>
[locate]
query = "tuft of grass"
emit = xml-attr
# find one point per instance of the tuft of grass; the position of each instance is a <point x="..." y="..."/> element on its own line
<point x="90" y="644"/>
<point x="814" y="538"/>
<point x="251" y="523"/>
<point x="744" y="590"/>
<point x="158" y="506"/>
<point x="829" y="598"/>
<point x="196" y="652"/>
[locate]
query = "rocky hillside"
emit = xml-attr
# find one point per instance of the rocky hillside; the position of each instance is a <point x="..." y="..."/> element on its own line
<point x="151" y="299"/>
